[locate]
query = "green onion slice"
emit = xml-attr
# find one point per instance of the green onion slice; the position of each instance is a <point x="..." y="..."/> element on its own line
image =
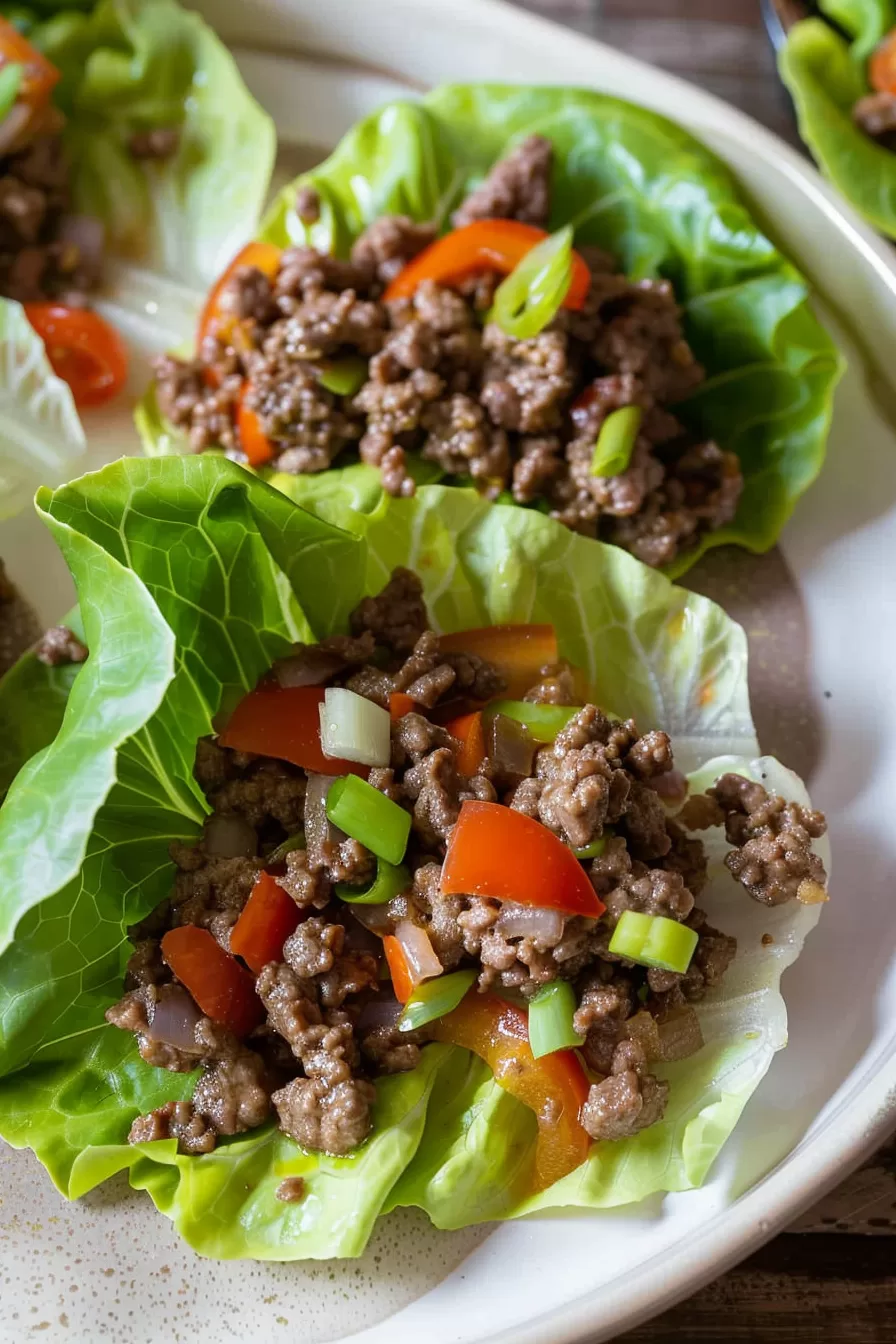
<point x="653" y="940"/>
<point x="435" y="998"/>
<point x="10" y="83"/>
<point x="595" y="848"/>
<point x="534" y="290"/>
<point x="354" y="728"/>
<point x="550" y="1019"/>
<point x="391" y="880"/>
<point x="543" y="721"/>
<point x="368" y="816"/>
<point x="345" y="377"/>
<point x="286" y="846"/>
<point x="616" y="441"/>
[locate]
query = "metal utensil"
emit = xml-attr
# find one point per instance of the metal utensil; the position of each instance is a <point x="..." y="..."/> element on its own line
<point x="781" y="15"/>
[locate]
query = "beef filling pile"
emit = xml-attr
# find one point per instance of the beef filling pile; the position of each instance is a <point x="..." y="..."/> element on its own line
<point x="300" y="983"/>
<point x="431" y="374"/>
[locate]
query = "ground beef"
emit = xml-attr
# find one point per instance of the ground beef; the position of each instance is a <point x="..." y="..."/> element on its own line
<point x="233" y="1095"/>
<point x="175" y="1120"/>
<point x="133" y="1012"/>
<point x="579" y="785"/>
<point x="213" y="894"/>
<point x="475" y="676"/>
<point x="397" y="616"/>
<point x="876" y="116"/>
<point x="649" y="891"/>
<point x="518" y="187"/>
<point x="650" y="755"/>
<point x="306" y="887"/>
<point x="308" y="205"/>
<point x="606" y="1001"/>
<point x="19" y="626"/>
<point x="161" y="142"/>
<point x="774" y="838"/>
<point x="391" y="1050"/>
<point x="323" y="1119"/>
<point x="644" y="823"/>
<point x="270" y="789"/>
<point x="145" y="965"/>
<point x="556" y="686"/>
<point x="292" y="1190"/>
<point x="58" y="646"/>
<point x="291" y="1005"/>
<point x="525" y="382"/>
<point x="387" y="244"/>
<point x="629" y="1100"/>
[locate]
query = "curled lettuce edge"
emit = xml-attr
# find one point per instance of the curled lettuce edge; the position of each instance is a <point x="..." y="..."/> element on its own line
<point x="192" y="575"/>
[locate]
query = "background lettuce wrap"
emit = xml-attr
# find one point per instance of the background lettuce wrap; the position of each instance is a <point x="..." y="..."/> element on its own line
<point x="192" y="576"/>
<point x="826" y="74"/>
<point x="638" y="186"/>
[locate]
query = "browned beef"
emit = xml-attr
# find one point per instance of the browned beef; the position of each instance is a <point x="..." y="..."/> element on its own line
<point x="58" y="646"/>
<point x="774" y="857"/>
<point x="629" y="1100"/>
<point x="518" y="187"/>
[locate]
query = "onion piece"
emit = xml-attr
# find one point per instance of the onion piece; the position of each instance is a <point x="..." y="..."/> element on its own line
<point x="419" y="954"/>
<point x="358" y="938"/>
<point x="354" y="728"/>
<point x="227" y="835"/>
<point x="320" y="833"/>
<point x="671" y="786"/>
<point x="172" y="1016"/>
<point x="376" y="918"/>
<point x="680" y="1035"/>
<point x="531" y="921"/>
<point x="88" y="235"/>
<point x="510" y="745"/>
<point x="643" y="1029"/>
<point x="310" y="665"/>
<point x="382" y="1011"/>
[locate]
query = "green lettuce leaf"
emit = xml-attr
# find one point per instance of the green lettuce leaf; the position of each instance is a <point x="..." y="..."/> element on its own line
<point x="41" y="437"/>
<point x="826" y="77"/>
<point x="634" y="183"/>
<point x="132" y="65"/>
<point x="193" y="574"/>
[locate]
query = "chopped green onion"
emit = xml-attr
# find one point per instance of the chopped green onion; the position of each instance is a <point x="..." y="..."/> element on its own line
<point x="550" y="1019"/>
<point x="595" y="848"/>
<point x="543" y="721"/>
<point x="435" y="998"/>
<point x="532" y="293"/>
<point x="287" y="846"/>
<point x="343" y="376"/>
<point x="10" y="83"/>
<point x="391" y="880"/>
<point x="616" y="441"/>
<point x="653" y="940"/>
<point x="354" y="728"/>
<point x="368" y="816"/>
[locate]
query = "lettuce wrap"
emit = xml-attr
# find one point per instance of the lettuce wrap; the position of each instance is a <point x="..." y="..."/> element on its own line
<point x="630" y="182"/>
<point x="192" y="575"/>
<point x="128" y="66"/>
<point x="826" y="73"/>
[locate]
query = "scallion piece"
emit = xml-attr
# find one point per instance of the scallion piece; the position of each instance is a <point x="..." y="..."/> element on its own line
<point x="594" y="849"/>
<point x="435" y="998"/>
<point x="286" y="846"/>
<point x="616" y="441"/>
<point x="368" y="816"/>
<point x="543" y="721"/>
<point x="343" y="376"/>
<point x="653" y="940"/>
<point x="391" y="880"/>
<point x="10" y="83"/>
<point x="550" y="1019"/>
<point x="354" y="728"/>
<point x="534" y="290"/>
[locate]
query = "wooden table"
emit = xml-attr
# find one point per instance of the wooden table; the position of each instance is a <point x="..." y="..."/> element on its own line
<point x="832" y="1280"/>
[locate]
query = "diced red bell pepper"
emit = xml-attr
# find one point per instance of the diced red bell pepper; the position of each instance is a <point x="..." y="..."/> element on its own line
<point x="253" y="440"/>
<point x="83" y="350"/>
<point x="402" y="980"/>
<point x="555" y="1087"/>
<point x="265" y="257"/>
<point x="39" y="77"/>
<point x="469" y="732"/>
<point x="505" y="855"/>
<point x="518" y="651"/>
<point x="401" y="704"/>
<point x="222" y="987"/>
<point x="268" y="918"/>
<point x="284" y="722"/>
<point x="484" y="245"/>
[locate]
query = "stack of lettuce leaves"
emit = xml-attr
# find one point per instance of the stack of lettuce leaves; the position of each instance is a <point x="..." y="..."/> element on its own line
<point x="826" y="73"/>
<point x="192" y="576"/>
<point x="635" y="184"/>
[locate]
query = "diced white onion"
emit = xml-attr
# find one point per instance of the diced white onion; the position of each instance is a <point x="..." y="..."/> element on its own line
<point x="531" y="921"/>
<point x="229" y="836"/>
<point x="418" y="951"/>
<point x="354" y="728"/>
<point x="680" y="1035"/>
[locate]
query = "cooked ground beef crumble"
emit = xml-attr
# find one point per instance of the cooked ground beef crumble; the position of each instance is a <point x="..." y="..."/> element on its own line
<point x="444" y="383"/>
<point x="327" y="1017"/>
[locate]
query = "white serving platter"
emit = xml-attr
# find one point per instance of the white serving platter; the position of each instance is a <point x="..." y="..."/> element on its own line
<point x="110" y="1267"/>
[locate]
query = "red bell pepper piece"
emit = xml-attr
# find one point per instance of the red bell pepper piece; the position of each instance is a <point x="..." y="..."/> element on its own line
<point x="402" y="980"/>
<point x="484" y="245"/>
<point x="401" y="704"/>
<point x="39" y="77"/>
<point x="468" y="730"/>
<point x="555" y="1087"/>
<point x="83" y="350"/>
<point x="507" y="856"/>
<point x="222" y="987"/>
<point x="269" y="916"/>
<point x="284" y="722"/>
<point x="518" y="651"/>
<point x="264" y="256"/>
<point x="253" y="440"/>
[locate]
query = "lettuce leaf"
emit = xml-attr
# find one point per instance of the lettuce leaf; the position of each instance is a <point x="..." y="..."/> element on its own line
<point x="826" y="78"/>
<point x="132" y="65"/>
<point x="192" y="575"/>
<point x="633" y="183"/>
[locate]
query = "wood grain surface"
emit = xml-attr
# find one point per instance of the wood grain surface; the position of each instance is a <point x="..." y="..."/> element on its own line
<point x="839" y="1285"/>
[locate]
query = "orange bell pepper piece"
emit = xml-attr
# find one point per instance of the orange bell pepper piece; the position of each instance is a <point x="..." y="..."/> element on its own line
<point x="401" y="704"/>
<point x="39" y="77"/>
<point x="484" y="245"/>
<point x="222" y="987"/>
<point x="264" y="256"/>
<point x="284" y="722"/>
<point x="253" y="440"/>
<point x="518" y="651"/>
<point x="268" y="918"/>
<point x="468" y="730"/>
<point x="505" y="855"/>
<point x="555" y="1087"/>
<point x="402" y="980"/>
<point x="882" y="65"/>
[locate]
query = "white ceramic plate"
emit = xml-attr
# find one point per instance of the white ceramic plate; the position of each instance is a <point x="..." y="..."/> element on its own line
<point x="110" y="1266"/>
